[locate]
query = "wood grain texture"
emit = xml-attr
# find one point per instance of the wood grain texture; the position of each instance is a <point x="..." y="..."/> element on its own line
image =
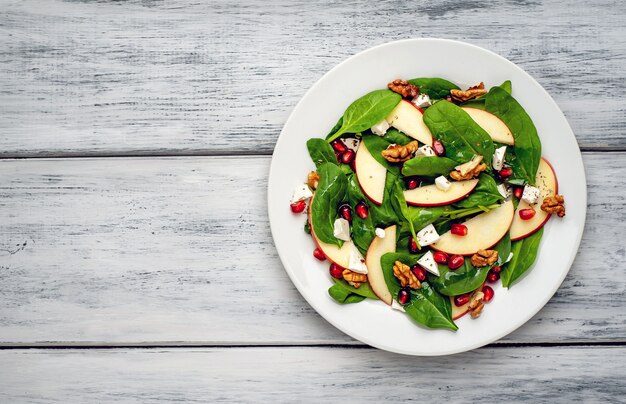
<point x="530" y="374"/>
<point x="150" y="77"/>
<point x="134" y="250"/>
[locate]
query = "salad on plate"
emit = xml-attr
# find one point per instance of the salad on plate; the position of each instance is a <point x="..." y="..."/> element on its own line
<point x="425" y="195"/>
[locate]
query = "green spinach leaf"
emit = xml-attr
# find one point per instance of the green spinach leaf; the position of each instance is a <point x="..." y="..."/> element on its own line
<point x="400" y="207"/>
<point x="464" y="280"/>
<point x="434" y="87"/>
<point x="462" y="136"/>
<point x="527" y="144"/>
<point x="524" y="255"/>
<point x="393" y="135"/>
<point x="363" y="230"/>
<point x="366" y="112"/>
<point x="384" y="215"/>
<point x="344" y="296"/>
<point x="503" y="248"/>
<point x="479" y="103"/>
<point x="321" y="152"/>
<point x="330" y="192"/>
<point x="485" y="193"/>
<point x="335" y="128"/>
<point x="430" y="166"/>
<point x="427" y="307"/>
<point x="364" y="290"/>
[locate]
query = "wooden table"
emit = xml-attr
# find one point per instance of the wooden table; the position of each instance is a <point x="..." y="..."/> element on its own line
<point x="136" y="262"/>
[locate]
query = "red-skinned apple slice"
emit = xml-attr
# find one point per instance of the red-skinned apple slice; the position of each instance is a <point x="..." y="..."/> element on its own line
<point x="430" y="195"/>
<point x="483" y="231"/>
<point x="408" y="119"/>
<point x="548" y="185"/>
<point x="497" y="129"/>
<point x="340" y="256"/>
<point x="458" y="312"/>
<point x="370" y="173"/>
<point x="378" y="248"/>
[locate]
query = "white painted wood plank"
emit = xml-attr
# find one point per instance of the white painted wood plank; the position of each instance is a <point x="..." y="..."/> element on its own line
<point x="87" y="78"/>
<point x="136" y="250"/>
<point x="529" y="374"/>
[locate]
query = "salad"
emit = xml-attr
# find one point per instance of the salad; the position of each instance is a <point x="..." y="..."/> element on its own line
<point x="424" y="194"/>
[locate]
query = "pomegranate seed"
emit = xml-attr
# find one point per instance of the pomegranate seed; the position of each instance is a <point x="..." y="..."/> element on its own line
<point x="455" y="262"/>
<point x="496" y="269"/>
<point x="298" y="207"/>
<point x="439" y="149"/>
<point x="339" y="146"/>
<point x="448" y="98"/>
<point x="362" y="211"/>
<point x="404" y="296"/>
<point x="518" y="192"/>
<point x="317" y="253"/>
<point x="493" y="277"/>
<point x="345" y="211"/>
<point x="411" y="183"/>
<point x="460" y="300"/>
<point x="413" y="248"/>
<point x="505" y="173"/>
<point x="336" y="271"/>
<point x="459" y="229"/>
<point x="419" y="272"/>
<point x="488" y="291"/>
<point x="348" y="157"/>
<point x="441" y="257"/>
<point x="526" y="214"/>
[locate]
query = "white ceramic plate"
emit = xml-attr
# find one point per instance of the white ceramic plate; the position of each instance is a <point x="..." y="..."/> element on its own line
<point x="372" y="322"/>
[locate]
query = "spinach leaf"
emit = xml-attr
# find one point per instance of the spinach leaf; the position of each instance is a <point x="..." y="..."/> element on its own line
<point x="363" y="230"/>
<point x="331" y="191"/>
<point x="434" y="87"/>
<point x="400" y="207"/>
<point x="527" y="144"/>
<point x="384" y="214"/>
<point x="485" y="193"/>
<point x="420" y="218"/>
<point x="307" y="227"/>
<point x="507" y="86"/>
<point x="429" y="166"/>
<point x="366" y="112"/>
<point x="503" y="248"/>
<point x="375" y="145"/>
<point x="464" y="280"/>
<point x="524" y="255"/>
<point x="462" y="136"/>
<point x="364" y="290"/>
<point x="343" y="296"/>
<point x="393" y="135"/>
<point x="427" y="307"/>
<point x="321" y="152"/>
<point x="335" y="128"/>
<point x="479" y="103"/>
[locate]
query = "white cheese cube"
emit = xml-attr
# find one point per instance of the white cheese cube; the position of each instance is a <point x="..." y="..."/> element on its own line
<point x="357" y="262"/>
<point x="397" y="306"/>
<point x="442" y="183"/>
<point x="470" y="165"/>
<point x="301" y="193"/>
<point x="428" y="263"/>
<point x="380" y="233"/>
<point x="352" y="143"/>
<point x="422" y="101"/>
<point x="509" y="258"/>
<point x="425" y="151"/>
<point x="530" y="194"/>
<point x="504" y="190"/>
<point x="498" y="158"/>
<point x="341" y="229"/>
<point x="380" y="128"/>
<point x="427" y="235"/>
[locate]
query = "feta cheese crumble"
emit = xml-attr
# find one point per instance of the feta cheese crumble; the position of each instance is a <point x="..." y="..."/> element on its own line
<point x="442" y="183"/>
<point x="341" y="229"/>
<point x="428" y="263"/>
<point x="422" y="101"/>
<point x="397" y="306"/>
<point x="427" y="235"/>
<point x="357" y="262"/>
<point x="380" y="233"/>
<point x="380" y="128"/>
<point x="301" y="193"/>
<point x="498" y="158"/>
<point x="530" y="194"/>
<point x="504" y="191"/>
<point x="352" y="143"/>
<point x="425" y="151"/>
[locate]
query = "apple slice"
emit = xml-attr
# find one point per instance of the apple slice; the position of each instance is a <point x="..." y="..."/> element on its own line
<point x="497" y="129"/>
<point x="547" y="183"/>
<point x="483" y="231"/>
<point x="378" y="248"/>
<point x="370" y="173"/>
<point x="430" y="195"/>
<point x="408" y="119"/>
<point x="458" y="312"/>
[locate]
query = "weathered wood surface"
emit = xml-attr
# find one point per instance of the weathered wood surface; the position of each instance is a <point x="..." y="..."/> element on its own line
<point x="171" y="250"/>
<point x="149" y="77"/>
<point x="528" y="374"/>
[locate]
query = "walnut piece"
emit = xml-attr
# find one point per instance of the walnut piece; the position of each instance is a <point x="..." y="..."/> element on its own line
<point x="476" y="304"/>
<point x="313" y="179"/>
<point x="469" y="170"/>
<point x="404" y="88"/>
<point x="484" y="257"/>
<point x="469" y="94"/>
<point x="396" y="153"/>
<point x="554" y="204"/>
<point x="405" y="276"/>
<point x="354" y="278"/>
